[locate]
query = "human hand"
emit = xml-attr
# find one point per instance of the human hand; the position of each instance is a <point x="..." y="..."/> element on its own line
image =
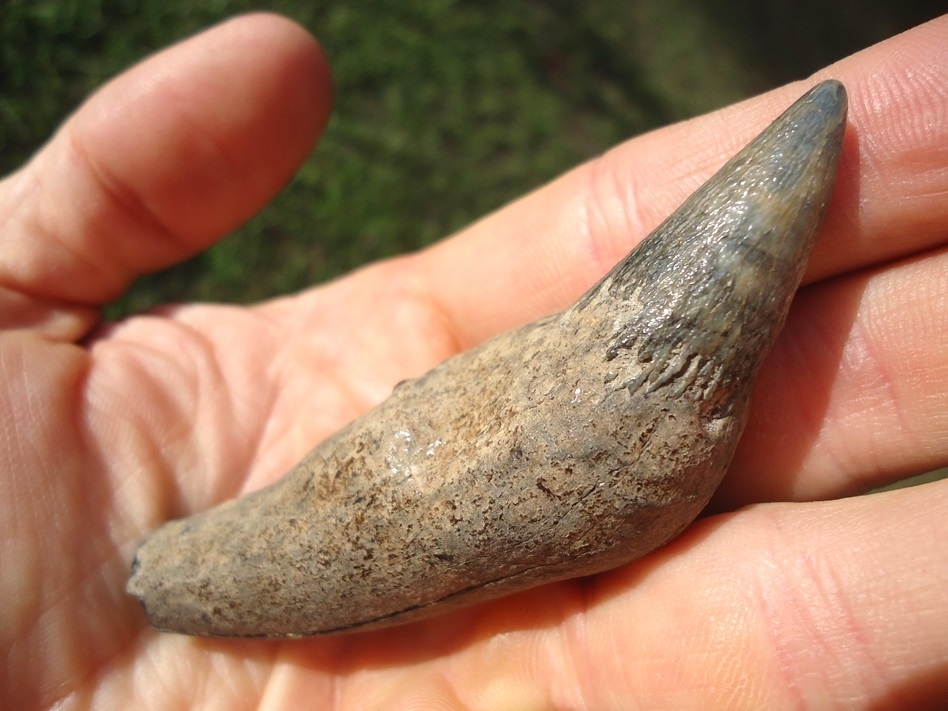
<point x="116" y="429"/>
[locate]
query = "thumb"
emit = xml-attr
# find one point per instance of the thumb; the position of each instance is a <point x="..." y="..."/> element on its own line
<point x="155" y="166"/>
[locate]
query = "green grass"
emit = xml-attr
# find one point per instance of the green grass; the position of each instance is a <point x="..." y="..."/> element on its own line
<point x="445" y="109"/>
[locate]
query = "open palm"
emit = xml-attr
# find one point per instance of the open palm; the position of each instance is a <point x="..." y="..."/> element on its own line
<point x="111" y="430"/>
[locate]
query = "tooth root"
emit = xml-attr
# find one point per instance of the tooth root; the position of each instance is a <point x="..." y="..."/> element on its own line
<point x="570" y="446"/>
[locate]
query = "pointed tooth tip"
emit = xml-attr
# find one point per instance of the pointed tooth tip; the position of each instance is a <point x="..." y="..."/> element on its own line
<point x="829" y="90"/>
<point x="830" y="98"/>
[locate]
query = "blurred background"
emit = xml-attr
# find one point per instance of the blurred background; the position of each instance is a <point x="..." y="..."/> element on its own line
<point x="445" y="109"/>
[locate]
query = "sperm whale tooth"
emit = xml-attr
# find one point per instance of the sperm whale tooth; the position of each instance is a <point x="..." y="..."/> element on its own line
<point x="567" y="447"/>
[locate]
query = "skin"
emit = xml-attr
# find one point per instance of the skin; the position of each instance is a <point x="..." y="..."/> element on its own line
<point x="811" y="600"/>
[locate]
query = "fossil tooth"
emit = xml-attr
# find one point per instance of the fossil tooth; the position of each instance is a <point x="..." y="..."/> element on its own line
<point x="567" y="447"/>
